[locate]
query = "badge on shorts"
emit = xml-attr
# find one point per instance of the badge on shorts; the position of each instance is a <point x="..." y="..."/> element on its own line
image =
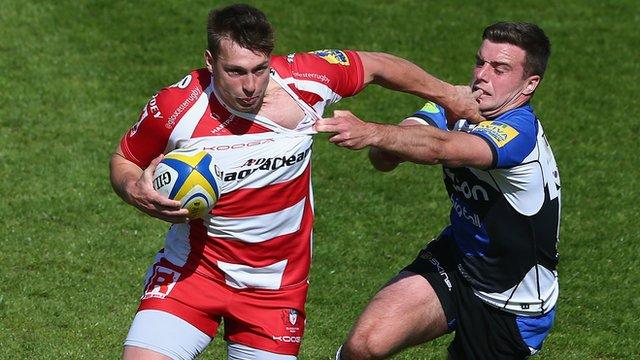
<point x="291" y="315"/>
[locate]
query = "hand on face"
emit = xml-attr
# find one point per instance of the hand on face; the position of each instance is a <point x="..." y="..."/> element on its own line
<point x="464" y="105"/>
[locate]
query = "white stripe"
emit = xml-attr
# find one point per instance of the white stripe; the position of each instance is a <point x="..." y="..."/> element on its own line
<point x="538" y="290"/>
<point x="259" y="228"/>
<point x="176" y="244"/>
<point x="187" y="124"/>
<point x="317" y="88"/>
<point x="243" y="276"/>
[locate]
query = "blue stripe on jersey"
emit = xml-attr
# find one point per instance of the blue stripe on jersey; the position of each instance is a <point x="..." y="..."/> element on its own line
<point x="433" y="114"/>
<point x="534" y="329"/>
<point x="512" y="135"/>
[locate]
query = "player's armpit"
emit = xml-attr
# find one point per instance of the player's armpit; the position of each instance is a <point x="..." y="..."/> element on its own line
<point x="463" y="149"/>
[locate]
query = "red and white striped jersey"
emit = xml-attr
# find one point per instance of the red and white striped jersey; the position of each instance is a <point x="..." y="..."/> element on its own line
<point x="259" y="233"/>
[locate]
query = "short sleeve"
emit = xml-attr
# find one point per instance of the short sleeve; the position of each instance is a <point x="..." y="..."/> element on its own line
<point x="148" y="137"/>
<point x="341" y="71"/>
<point x="511" y="138"/>
<point x="432" y="114"/>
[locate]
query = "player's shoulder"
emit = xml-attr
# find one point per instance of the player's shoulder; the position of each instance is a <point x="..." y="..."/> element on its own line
<point x="432" y="114"/>
<point x="181" y="94"/>
<point x="194" y="82"/>
<point x="519" y="122"/>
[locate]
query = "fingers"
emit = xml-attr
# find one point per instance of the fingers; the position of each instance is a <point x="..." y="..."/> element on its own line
<point x="327" y="125"/>
<point x="339" y="113"/>
<point x="476" y="94"/>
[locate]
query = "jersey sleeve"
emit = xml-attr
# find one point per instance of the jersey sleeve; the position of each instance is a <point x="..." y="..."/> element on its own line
<point x="148" y="137"/>
<point x="431" y="114"/>
<point x="341" y="71"/>
<point x="511" y="138"/>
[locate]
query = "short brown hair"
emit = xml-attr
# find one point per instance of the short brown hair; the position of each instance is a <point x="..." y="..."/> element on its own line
<point x="244" y="25"/>
<point x="528" y="37"/>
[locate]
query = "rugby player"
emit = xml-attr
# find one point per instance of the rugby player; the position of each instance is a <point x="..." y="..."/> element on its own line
<point x="490" y="275"/>
<point x="246" y="264"/>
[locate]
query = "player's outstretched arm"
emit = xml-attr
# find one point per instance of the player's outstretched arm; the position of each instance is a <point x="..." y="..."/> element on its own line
<point x="134" y="186"/>
<point x="421" y="144"/>
<point x="399" y="74"/>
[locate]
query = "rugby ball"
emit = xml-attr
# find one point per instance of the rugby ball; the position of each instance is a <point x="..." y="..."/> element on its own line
<point x="187" y="175"/>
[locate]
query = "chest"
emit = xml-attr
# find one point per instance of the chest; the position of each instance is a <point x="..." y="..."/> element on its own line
<point x="281" y="108"/>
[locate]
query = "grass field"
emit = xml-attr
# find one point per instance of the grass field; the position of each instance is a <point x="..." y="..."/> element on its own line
<point x="74" y="75"/>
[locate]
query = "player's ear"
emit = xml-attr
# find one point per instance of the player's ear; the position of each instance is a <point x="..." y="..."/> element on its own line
<point x="531" y="84"/>
<point x="208" y="59"/>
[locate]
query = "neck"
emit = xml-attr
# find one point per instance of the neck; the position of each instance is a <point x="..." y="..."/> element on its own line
<point x="515" y="103"/>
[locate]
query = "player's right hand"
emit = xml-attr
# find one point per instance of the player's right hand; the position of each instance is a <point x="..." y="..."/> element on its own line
<point x="464" y="105"/>
<point x="143" y="196"/>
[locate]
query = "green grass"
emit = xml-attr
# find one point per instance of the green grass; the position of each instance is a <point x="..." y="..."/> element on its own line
<point x="74" y="76"/>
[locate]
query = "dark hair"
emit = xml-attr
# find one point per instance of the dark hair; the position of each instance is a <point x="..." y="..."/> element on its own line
<point x="244" y="25"/>
<point x="528" y="37"/>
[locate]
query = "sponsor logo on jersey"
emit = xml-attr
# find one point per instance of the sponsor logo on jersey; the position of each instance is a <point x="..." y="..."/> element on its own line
<point x="153" y="106"/>
<point x="240" y="145"/>
<point x="262" y="164"/>
<point x="223" y="124"/>
<point x="333" y="56"/>
<point x="430" y="108"/>
<point x="463" y="211"/>
<point x="475" y="192"/>
<point x="313" y="76"/>
<point x="500" y="133"/>
<point x="193" y="96"/>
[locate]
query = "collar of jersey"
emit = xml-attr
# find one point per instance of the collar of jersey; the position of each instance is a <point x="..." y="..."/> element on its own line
<point x="264" y="120"/>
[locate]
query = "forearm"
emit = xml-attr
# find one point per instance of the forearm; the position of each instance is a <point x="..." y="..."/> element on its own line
<point x="416" y="143"/>
<point x="123" y="175"/>
<point x="399" y="74"/>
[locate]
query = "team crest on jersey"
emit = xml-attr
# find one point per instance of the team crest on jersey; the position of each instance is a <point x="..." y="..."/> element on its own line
<point x="430" y="108"/>
<point x="501" y="133"/>
<point x="333" y="56"/>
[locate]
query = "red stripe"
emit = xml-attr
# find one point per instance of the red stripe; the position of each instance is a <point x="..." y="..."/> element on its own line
<point x="310" y="98"/>
<point x="295" y="247"/>
<point x="264" y="200"/>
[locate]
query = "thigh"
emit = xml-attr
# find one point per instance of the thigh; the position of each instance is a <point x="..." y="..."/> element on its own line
<point x="197" y="299"/>
<point x="405" y="312"/>
<point x="160" y="335"/>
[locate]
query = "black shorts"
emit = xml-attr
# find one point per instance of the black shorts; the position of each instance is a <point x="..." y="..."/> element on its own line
<point x="481" y="331"/>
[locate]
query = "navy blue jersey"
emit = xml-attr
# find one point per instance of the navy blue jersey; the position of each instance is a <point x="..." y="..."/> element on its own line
<point x="505" y="220"/>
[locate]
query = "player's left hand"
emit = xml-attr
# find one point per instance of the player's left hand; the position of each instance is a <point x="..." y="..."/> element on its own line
<point x="349" y="130"/>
